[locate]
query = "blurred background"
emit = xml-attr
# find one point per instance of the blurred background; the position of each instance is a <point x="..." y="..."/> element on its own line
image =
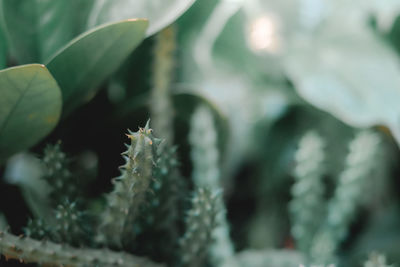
<point x="271" y="71"/>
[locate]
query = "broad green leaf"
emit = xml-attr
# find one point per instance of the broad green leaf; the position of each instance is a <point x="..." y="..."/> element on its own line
<point x="347" y="71"/>
<point x="3" y="43"/>
<point x="89" y="59"/>
<point x="351" y="74"/>
<point x="30" y="106"/>
<point x="38" y="28"/>
<point x="160" y="13"/>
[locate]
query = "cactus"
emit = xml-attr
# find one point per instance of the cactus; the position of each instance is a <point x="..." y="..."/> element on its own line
<point x="307" y="205"/>
<point x="38" y="229"/>
<point x="68" y="225"/>
<point x="47" y="253"/>
<point x="124" y="203"/>
<point x="161" y="218"/>
<point x="165" y="189"/>
<point x="58" y="174"/>
<point x="360" y="163"/>
<point x="201" y="221"/>
<point x="205" y="158"/>
<point x="161" y="103"/>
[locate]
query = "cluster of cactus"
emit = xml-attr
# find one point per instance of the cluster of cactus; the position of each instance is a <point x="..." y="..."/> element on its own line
<point x="145" y="198"/>
<point x="319" y="224"/>
<point x="152" y="218"/>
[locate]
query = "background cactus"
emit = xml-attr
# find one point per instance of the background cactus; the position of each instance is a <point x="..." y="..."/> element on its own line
<point x="307" y="205"/>
<point x="278" y="133"/>
<point x="201" y="221"/>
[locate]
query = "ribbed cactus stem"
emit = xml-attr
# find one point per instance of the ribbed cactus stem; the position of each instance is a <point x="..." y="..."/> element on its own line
<point x="204" y="149"/>
<point x="161" y="107"/>
<point x="47" y="253"/>
<point x="58" y="175"/>
<point x="206" y="173"/>
<point x="200" y="223"/>
<point x="360" y="163"/>
<point x="69" y="224"/>
<point x="307" y="205"/>
<point x="162" y="211"/>
<point x="130" y="189"/>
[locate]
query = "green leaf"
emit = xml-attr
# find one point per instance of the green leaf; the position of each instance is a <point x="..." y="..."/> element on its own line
<point x="160" y="13"/>
<point x="89" y="59"/>
<point x="30" y="106"/>
<point x="38" y="28"/>
<point x="3" y="43"/>
<point x="353" y="75"/>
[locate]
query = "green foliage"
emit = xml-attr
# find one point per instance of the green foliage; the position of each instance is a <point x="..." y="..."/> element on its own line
<point x="85" y="62"/>
<point x="30" y="106"/>
<point x="160" y="14"/>
<point x="3" y="44"/>
<point x="37" y="29"/>
<point x="255" y="166"/>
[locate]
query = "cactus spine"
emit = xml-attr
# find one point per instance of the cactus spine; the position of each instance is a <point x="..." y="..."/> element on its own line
<point x="130" y="189"/>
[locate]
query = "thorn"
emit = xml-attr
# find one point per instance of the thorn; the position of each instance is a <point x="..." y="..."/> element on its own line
<point x="130" y="136"/>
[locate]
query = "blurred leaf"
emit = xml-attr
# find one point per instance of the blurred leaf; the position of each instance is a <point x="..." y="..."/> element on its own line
<point x="352" y="74"/>
<point x="385" y="12"/>
<point x="88" y="60"/>
<point x="3" y="42"/>
<point x="160" y="13"/>
<point x="30" y="106"/>
<point x="26" y="171"/>
<point x="38" y="28"/>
